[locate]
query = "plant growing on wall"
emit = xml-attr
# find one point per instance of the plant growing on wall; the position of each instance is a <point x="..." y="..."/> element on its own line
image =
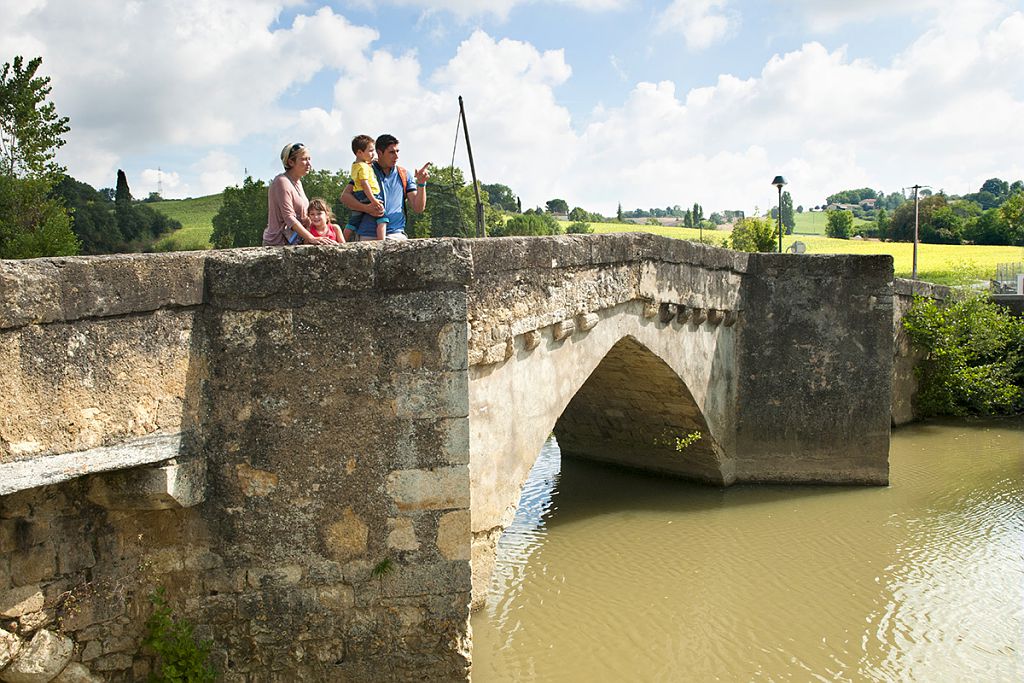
<point x="180" y="657"/>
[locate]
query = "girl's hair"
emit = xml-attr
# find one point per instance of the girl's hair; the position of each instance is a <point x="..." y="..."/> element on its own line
<point x="319" y="204"/>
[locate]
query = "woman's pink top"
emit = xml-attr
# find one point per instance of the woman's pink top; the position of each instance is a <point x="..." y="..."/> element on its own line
<point x="285" y="201"/>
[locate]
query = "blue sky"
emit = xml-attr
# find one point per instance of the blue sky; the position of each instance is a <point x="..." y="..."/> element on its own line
<point x="595" y="101"/>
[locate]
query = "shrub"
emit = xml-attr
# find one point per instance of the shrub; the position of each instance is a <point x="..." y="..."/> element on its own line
<point x="529" y="224"/>
<point x="754" y="234"/>
<point x="579" y="228"/>
<point x="974" y="362"/>
<point x="839" y="225"/>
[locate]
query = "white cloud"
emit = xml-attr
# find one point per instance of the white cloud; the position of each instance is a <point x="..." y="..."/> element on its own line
<point x="190" y="73"/>
<point x="218" y="170"/>
<point x="498" y="9"/>
<point x="156" y="180"/>
<point x="701" y="22"/>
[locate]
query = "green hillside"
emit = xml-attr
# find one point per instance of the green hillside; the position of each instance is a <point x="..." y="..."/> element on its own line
<point x="196" y="217"/>
<point x="813" y="222"/>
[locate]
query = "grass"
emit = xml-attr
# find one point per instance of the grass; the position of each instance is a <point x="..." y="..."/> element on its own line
<point x="196" y="217"/>
<point x="813" y="223"/>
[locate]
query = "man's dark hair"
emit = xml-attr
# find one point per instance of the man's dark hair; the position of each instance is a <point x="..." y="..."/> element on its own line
<point x="385" y="141"/>
<point x="360" y="142"/>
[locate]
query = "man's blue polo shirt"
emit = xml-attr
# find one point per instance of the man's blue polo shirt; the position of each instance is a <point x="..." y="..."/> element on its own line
<point x="391" y="186"/>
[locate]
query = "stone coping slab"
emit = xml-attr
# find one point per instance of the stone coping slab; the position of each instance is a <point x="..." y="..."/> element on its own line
<point x="54" y="469"/>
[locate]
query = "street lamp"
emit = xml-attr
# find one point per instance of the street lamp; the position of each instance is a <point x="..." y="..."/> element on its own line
<point x="779" y="182"/>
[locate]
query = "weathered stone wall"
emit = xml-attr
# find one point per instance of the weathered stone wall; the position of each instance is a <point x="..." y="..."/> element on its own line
<point x="321" y="398"/>
<point x="815" y="354"/>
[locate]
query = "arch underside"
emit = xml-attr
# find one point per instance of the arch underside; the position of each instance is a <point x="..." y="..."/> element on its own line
<point x="630" y="412"/>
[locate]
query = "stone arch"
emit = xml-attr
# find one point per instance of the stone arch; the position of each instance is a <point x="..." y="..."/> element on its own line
<point x="630" y="411"/>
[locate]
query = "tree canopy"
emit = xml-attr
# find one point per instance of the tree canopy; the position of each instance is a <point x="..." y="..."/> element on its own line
<point x="32" y="222"/>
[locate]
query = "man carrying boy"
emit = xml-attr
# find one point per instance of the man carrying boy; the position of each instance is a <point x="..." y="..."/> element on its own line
<point x="395" y="185"/>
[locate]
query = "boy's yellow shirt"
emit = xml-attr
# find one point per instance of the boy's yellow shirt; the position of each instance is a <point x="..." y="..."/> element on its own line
<point x="362" y="171"/>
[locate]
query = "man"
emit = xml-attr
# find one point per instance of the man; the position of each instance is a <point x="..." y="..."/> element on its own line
<point x="395" y="193"/>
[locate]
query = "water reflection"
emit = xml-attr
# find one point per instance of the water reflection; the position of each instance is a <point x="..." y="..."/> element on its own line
<point x="607" y="575"/>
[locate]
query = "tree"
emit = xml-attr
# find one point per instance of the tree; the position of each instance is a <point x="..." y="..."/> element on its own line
<point x="92" y="215"/>
<point x="123" y="208"/>
<point x="799" y="209"/>
<point x="451" y="211"/>
<point x="557" y="206"/>
<point x="328" y="185"/>
<point x="529" y="224"/>
<point x="840" y="224"/>
<point x="688" y="219"/>
<point x="32" y="222"/>
<point x="500" y="197"/>
<point x="578" y="214"/>
<point x="242" y="217"/>
<point x="997" y="187"/>
<point x="579" y="228"/>
<point x="31" y="132"/>
<point x="618" y="214"/>
<point x="1013" y="213"/>
<point x="851" y="196"/>
<point x="754" y="234"/>
<point x="788" y="222"/>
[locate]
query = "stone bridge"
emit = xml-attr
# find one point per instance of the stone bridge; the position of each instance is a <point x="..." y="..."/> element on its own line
<point x="314" y="451"/>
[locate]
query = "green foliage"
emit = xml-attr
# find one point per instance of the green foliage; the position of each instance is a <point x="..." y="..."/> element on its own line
<point x="32" y="223"/>
<point x="754" y="234"/>
<point x="31" y="132"/>
<point x="529" y="224"/>
<point x="974" y="362"/>
<point x="788" y="222"/>
<point x="579" y="228"/>
<point x="500" y="197"/>
<point x="557" y="206"/>
<point x="180" y="657"/>
<point x="840" y="223"/>
<point x="242" y="217"/>
<point x="852" y="196"/>
<point x="382" y="568"/>
<point x="328" y="186"/>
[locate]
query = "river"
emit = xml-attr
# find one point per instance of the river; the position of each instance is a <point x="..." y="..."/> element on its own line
<point x="612" y="575"/>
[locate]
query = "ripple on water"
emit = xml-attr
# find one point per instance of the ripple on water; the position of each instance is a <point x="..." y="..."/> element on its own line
<point x="607" y="575"/>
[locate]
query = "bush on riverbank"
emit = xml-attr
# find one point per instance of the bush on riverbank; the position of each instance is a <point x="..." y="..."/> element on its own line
<point x="974" y="362"/>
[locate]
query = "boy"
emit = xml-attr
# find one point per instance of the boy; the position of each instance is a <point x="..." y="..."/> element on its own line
<point x="367" y="188"/>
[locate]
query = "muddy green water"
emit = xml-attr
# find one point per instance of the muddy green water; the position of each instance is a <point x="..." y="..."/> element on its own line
<point x="608" y="575"/>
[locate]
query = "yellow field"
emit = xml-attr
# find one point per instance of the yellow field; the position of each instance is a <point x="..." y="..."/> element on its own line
<point x="940" y="263"/>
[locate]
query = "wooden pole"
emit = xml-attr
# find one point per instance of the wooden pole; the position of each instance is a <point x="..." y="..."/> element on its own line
<point x="480" y="231"/>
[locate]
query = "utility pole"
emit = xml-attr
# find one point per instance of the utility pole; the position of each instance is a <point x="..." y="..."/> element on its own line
<point x="917" y="205"/>
<point x="480" y="232"/>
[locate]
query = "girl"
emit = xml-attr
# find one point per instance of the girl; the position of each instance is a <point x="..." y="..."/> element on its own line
<point x="321" y="221"/>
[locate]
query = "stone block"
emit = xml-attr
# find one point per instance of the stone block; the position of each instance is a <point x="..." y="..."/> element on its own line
<point x="34" y="564"/>
<point x="255" y="482"/>
<point x="587" y="321"/>
<point x="650" y="308"/>
<point x="442" y="488"/>
<point x="176" y="485"/>
<point x="563" y="329"/>
<point x="76" y="672"/>
<point x="402" y="534"/>
<point x="10" y="645"/>
<point x="454" y="535"/>
<point x="667" y="311"/>
<point x="40" y="660"/>
<point x="336" y="597"/>
<point x="432" y="395"/>
<point x="347" y="537"/>
<point x="17" y="602"/>
<point x="531" y="340"/>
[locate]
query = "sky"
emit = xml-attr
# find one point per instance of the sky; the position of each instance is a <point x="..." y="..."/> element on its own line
<point x="598" y="102"/>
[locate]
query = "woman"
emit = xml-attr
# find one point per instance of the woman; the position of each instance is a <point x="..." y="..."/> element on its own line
<point x="287" y="203"/>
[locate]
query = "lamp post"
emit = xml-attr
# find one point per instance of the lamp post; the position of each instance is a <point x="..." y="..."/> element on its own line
<point x="779" y="182"/>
